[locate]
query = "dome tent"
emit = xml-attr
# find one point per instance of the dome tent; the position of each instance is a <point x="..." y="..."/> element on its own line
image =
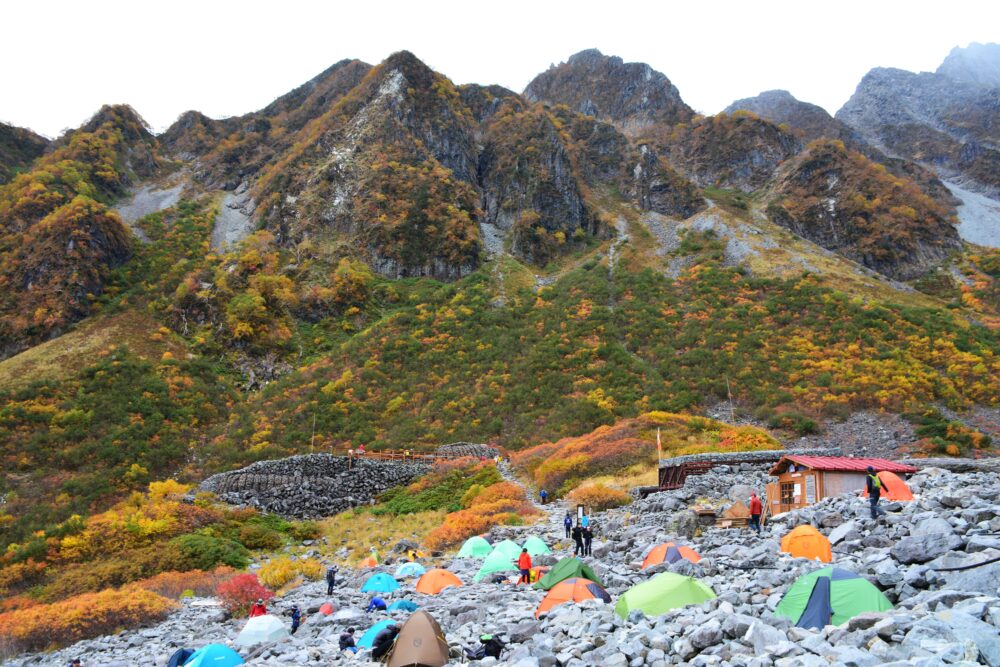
<point x="421" y="642"/>
<point x="475" y="547"/>
<point x="368" y="639"/>
<point x="214" y="655"/>
<point x="806" y="542"/>
<point x="572" y="590"/>
<point x="662" y="593"/>
<point x="668" y="552"/>
<point x="497" y="561"/>
<point x="260" y="629"/>
<point x="436" y="580"/>
<point x="830" y="596"/>
<point x="403" y="605"/>
<point x="508" y="548"/>
<point x="536" y="547"/>
<point x="410" y="570"/>
<point x="380" y="583"/>
<point x="567" y="568"/>
<point x="893" y="487"/>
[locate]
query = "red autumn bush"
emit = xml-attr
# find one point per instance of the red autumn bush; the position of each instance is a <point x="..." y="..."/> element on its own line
<point x="82" y="617"/>
<point x="240" y="592"/>
<point x="199" y="582"/>
<point x="598" y="497"/>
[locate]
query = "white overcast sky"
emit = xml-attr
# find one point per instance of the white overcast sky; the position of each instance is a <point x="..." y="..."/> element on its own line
<point x="60" y="61"/>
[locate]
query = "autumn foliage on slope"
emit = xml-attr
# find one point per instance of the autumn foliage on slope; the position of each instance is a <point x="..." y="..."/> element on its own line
<point x="559" y="466"/>
<point x="58" y="239"/>
<point x="503" y="503"/>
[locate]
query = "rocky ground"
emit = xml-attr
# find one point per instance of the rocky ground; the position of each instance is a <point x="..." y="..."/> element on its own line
<point x="943" y="615"/>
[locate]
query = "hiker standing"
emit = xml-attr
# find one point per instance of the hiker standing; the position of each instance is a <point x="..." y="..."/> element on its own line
<point x="756" y="509"/>
<point x="577" y="539"/>
<point x="258" y="608"/>
<point x="331" y="579"/>
<point x="524" y="565"/>
<point x="588" y="540"/>
<point x="296" y="618"/>
<point x="874" y="486"/>
<point x="384" y="641"/>
<point x="568" y="524"/>
<point x="544" y="495"/>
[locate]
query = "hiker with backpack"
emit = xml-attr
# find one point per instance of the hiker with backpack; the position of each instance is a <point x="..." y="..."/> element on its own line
<point x="490" y="646"/>
<point x="384" y="641"/>
<point x="524" y="565"/>
<point x="296" y="618"/>
<point x="568" y="524"/>
<point x="331" y="579"/>
<point x="577" y="539"/>
<point x="346" y="641"/>
<point x="874" y="486"/>
<point x="756" y="509"/>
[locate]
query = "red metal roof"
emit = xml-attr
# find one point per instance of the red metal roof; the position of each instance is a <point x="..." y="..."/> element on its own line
<point x="844" y="463"/>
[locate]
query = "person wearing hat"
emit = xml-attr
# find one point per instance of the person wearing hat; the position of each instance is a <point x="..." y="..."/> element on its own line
<point x="874" y="486"/>
<point x="258" y="608"/>
<point x="296" y="618"/>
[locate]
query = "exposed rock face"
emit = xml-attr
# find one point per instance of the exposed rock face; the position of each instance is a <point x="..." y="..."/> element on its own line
<point x="977" y="63"/>
<point x="312" y="485"/>
<point x="18" y="148"/>
<point x="843" y="202"/>
<point x="193" y="134"/>
<point x="658" y="188"/>
<point x="780" y="106"/>
<point x="740" y="152"/>
<point x="633" y="96"/>
<point x="950" y="125"/>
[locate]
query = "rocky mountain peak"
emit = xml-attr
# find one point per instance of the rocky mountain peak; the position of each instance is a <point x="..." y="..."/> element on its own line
<point x="18" y="147"/>
<point x="977" y="63"/>
<point x="122" y="117"/>
<point x="780" y="106"/>
<point x="633" y="96"/>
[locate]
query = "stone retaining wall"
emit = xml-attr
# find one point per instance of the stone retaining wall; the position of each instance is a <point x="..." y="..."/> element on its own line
<point x="312" y="485"/>
<point x="468" y="449"/>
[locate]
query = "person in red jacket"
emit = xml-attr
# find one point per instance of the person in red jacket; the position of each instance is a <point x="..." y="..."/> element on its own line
<point x="755" y="511"/>
<point x="258" y="608"/>
<point x="524" y="565"/>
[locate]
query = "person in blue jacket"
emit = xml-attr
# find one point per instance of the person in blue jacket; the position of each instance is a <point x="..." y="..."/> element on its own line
<point x="296" y="618"/>
<point x="376" y="603"/>
<point x="568" y="525"/>
<point x="544" y="495"/>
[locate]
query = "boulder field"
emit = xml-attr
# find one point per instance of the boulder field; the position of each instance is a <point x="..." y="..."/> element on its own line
<point x="937" y="559"/>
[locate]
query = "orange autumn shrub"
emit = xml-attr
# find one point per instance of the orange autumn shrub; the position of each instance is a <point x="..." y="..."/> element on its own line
<point x="19" y="576"/>
<point x="174" y="584"/>
<point x="17" y="602"/>
<point x="598" y="497"/>
<point x="82" y="617"/>
<point x="499" y="491"/>
<point x="498" y="504"/>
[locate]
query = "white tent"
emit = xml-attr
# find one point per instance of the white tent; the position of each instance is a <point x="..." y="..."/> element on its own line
<point x="260" y="629"/>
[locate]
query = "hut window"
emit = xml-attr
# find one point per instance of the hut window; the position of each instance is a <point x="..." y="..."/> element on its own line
<point x="788" y="494"/>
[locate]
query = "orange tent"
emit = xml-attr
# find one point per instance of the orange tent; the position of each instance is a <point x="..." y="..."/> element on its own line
<point x="893" y="487"/>
<point x="434" y="581"/>
<point x="572" y="590"/>
<point x="807" y="542"/>
<point x="326" y="609"/>
<point x="538" y="572"/>
<point x="368" y="562"/>
<point x="670" y="553"/>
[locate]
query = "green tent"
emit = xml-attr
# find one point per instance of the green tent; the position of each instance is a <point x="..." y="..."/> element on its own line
<point x="662" y="593"/>
<point x="830" y="596"/>
<point x="567" y="568"/>
<point x="475" y="547"/>
<point x="536" y="547"/>
<point x="508" y="548"/>
<point x="497" y="561"/>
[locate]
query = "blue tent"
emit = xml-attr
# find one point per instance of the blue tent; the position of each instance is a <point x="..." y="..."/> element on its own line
<point x="380" y="583"/>
<point x="214" y="655"/>
<point x="403" y="605"/>
<point x="410" y="570"/>
<point x="179" y="657"/>
<point x="368" y="639"/>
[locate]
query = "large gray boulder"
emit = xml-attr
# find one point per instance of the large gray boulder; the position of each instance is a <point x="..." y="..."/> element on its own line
<point x="922" y="548"/>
